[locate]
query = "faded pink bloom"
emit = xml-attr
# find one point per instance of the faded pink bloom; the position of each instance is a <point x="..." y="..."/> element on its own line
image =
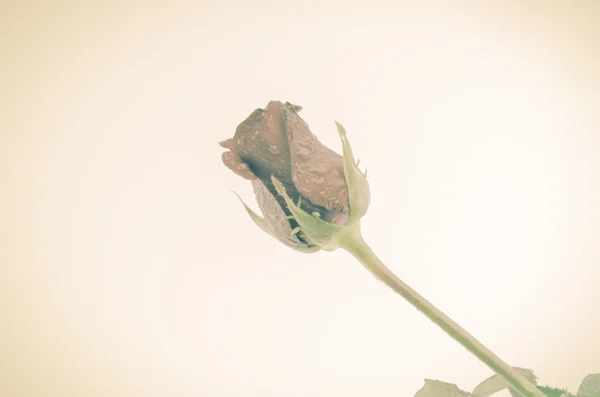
<point x="276" y="142"/>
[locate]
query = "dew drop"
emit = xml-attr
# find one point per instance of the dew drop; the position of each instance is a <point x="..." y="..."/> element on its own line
<point x="321" y="168"/>
<point x="304" y="153"/>
<point x="303" y="191"/>
<point x="319" y="181"/>
<point x="274" y="149"/>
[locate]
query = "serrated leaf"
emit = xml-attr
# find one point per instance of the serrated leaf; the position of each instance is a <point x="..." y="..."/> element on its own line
<point x="553" y="392"/>
<point x="437" y="388"/>
<point x="590" y="386"/>
<point x="359" y="195"/>
<point x="495" y="383"/>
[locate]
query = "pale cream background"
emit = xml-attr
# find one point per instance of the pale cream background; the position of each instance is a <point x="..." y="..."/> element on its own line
<point x="127" y="268"/>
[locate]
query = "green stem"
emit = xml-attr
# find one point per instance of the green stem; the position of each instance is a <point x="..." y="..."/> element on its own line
<point x="355" y="244"/>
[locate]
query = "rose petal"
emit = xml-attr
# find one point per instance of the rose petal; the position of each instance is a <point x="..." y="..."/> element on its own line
<point x="274" y="215"/>
<point x="234" y="162"/>
<point x="227" y="143"/>
<point x="317" y="171"/>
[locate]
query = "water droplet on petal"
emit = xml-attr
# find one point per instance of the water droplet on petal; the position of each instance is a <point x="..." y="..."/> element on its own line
<point x="274" y="149"/>
<point x="304" y="153"/>
<point x="319" y="181"/>
<point x="339" y="182"/>
<point x="303" y="191"/>
<point x="321" y="168"/>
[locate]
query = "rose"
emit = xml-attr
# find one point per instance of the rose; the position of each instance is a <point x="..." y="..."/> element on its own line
<point x="275" y="149"/>
<point x="286" y="163"/>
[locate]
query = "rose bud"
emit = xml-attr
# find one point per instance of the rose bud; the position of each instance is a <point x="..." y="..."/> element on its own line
<point x="309" y="195"/>
<point x="313" y="199"/>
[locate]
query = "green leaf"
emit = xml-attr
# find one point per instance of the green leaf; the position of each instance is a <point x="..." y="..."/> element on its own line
<point x="359" y="195"/>
<point x="489" y="387"/>
<point x="495" y="383"/>
<point x="590" y="387"/>
<point x="259" y="220"/>
<point x="436" y="388"/>
<point x="552" y="392"/>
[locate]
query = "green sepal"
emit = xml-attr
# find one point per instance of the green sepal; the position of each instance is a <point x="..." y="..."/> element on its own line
<point x="359" y="195"/>
<point x="259" y="220"/>
<point x="324" y="234"/>
<point x="264" y="225"/>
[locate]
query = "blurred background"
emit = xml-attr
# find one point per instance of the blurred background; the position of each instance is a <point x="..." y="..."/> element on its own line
<point x="128" y="268"/>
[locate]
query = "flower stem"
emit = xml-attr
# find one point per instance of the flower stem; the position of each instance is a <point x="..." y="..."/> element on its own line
<point x="354" y="243"/>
